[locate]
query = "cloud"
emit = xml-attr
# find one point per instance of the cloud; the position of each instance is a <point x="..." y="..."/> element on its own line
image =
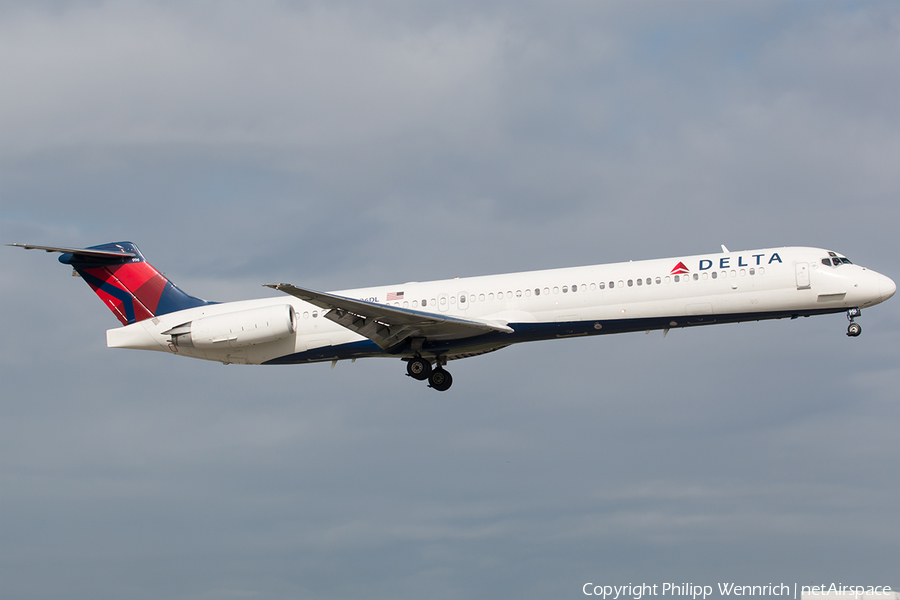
<point x="237" y="75"/>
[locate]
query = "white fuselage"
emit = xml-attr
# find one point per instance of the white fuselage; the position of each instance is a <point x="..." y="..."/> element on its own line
<point x="553" y="303"/>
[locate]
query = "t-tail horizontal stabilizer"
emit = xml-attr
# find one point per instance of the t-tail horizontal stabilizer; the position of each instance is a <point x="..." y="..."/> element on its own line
<point x="129" y="286"/>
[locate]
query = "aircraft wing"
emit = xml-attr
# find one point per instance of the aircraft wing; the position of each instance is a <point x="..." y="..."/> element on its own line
<point x="390" y="326"/>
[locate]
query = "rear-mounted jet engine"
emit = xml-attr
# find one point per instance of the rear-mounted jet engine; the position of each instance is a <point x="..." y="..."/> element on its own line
<point x="236" y="329"/>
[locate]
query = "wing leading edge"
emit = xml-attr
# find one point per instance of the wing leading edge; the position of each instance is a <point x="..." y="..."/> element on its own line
<point x="389" y="326"/>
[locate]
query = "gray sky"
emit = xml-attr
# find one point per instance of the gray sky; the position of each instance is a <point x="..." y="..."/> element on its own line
<point x="344" y="144"/>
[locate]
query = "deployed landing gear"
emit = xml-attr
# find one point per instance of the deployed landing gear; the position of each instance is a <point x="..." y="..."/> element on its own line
<point x="420" y="369"/>
<point x="440" y="380"/>
<point x="853" y="329"/>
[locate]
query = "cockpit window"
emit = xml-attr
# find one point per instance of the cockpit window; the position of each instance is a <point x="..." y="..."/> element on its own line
<point x="836" y="261"/>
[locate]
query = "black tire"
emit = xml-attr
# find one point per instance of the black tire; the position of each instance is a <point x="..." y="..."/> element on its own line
<point x="418" y="368"/>
<point x="854" y="329"/>
<point x="440" y="380"/>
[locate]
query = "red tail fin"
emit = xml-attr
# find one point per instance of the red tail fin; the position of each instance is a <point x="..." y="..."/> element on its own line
<point x="131" y="288"/>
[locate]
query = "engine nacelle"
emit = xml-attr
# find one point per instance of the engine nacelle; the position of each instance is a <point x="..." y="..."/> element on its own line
<point x="242" y="328"/>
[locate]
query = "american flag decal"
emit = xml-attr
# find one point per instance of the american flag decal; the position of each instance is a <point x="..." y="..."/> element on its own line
<point x="394" y="296"/>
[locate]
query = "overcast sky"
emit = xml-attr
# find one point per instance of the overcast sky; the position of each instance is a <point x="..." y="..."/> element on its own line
<point x="344" y="144"/>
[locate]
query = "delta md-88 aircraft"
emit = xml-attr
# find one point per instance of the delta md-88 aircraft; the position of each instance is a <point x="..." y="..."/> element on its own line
<point x="427" y="324"/>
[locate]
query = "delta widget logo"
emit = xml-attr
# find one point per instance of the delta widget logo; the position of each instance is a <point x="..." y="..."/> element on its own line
<point x="679" y="269"/>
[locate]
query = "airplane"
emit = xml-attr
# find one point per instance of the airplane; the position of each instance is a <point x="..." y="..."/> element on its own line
<point x="427" y="324"/>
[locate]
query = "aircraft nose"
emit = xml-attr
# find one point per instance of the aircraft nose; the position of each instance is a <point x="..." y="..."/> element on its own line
<point x="886" y="287"/>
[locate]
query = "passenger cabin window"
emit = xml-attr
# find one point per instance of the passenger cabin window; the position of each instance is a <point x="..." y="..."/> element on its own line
<point x="640" y="282"/>
<point x="537" y="291"/>
<point x="696" y="277"/>
<point x="630" y="283"/>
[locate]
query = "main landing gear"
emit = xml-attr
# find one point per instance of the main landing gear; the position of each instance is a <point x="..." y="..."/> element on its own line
<point x="420" y="369"/>
<point x="853" y="329"/>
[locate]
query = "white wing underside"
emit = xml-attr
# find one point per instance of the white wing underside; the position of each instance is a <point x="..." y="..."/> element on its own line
<point x="392" y="326"/>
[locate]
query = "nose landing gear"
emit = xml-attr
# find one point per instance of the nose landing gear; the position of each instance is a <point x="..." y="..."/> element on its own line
<point x="853" y="329"/>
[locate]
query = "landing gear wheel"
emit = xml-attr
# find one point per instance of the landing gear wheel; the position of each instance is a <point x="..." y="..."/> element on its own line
<point x="418" y="368"/>
<point x="854" y="329"/>
<point x="440" y="380"/>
